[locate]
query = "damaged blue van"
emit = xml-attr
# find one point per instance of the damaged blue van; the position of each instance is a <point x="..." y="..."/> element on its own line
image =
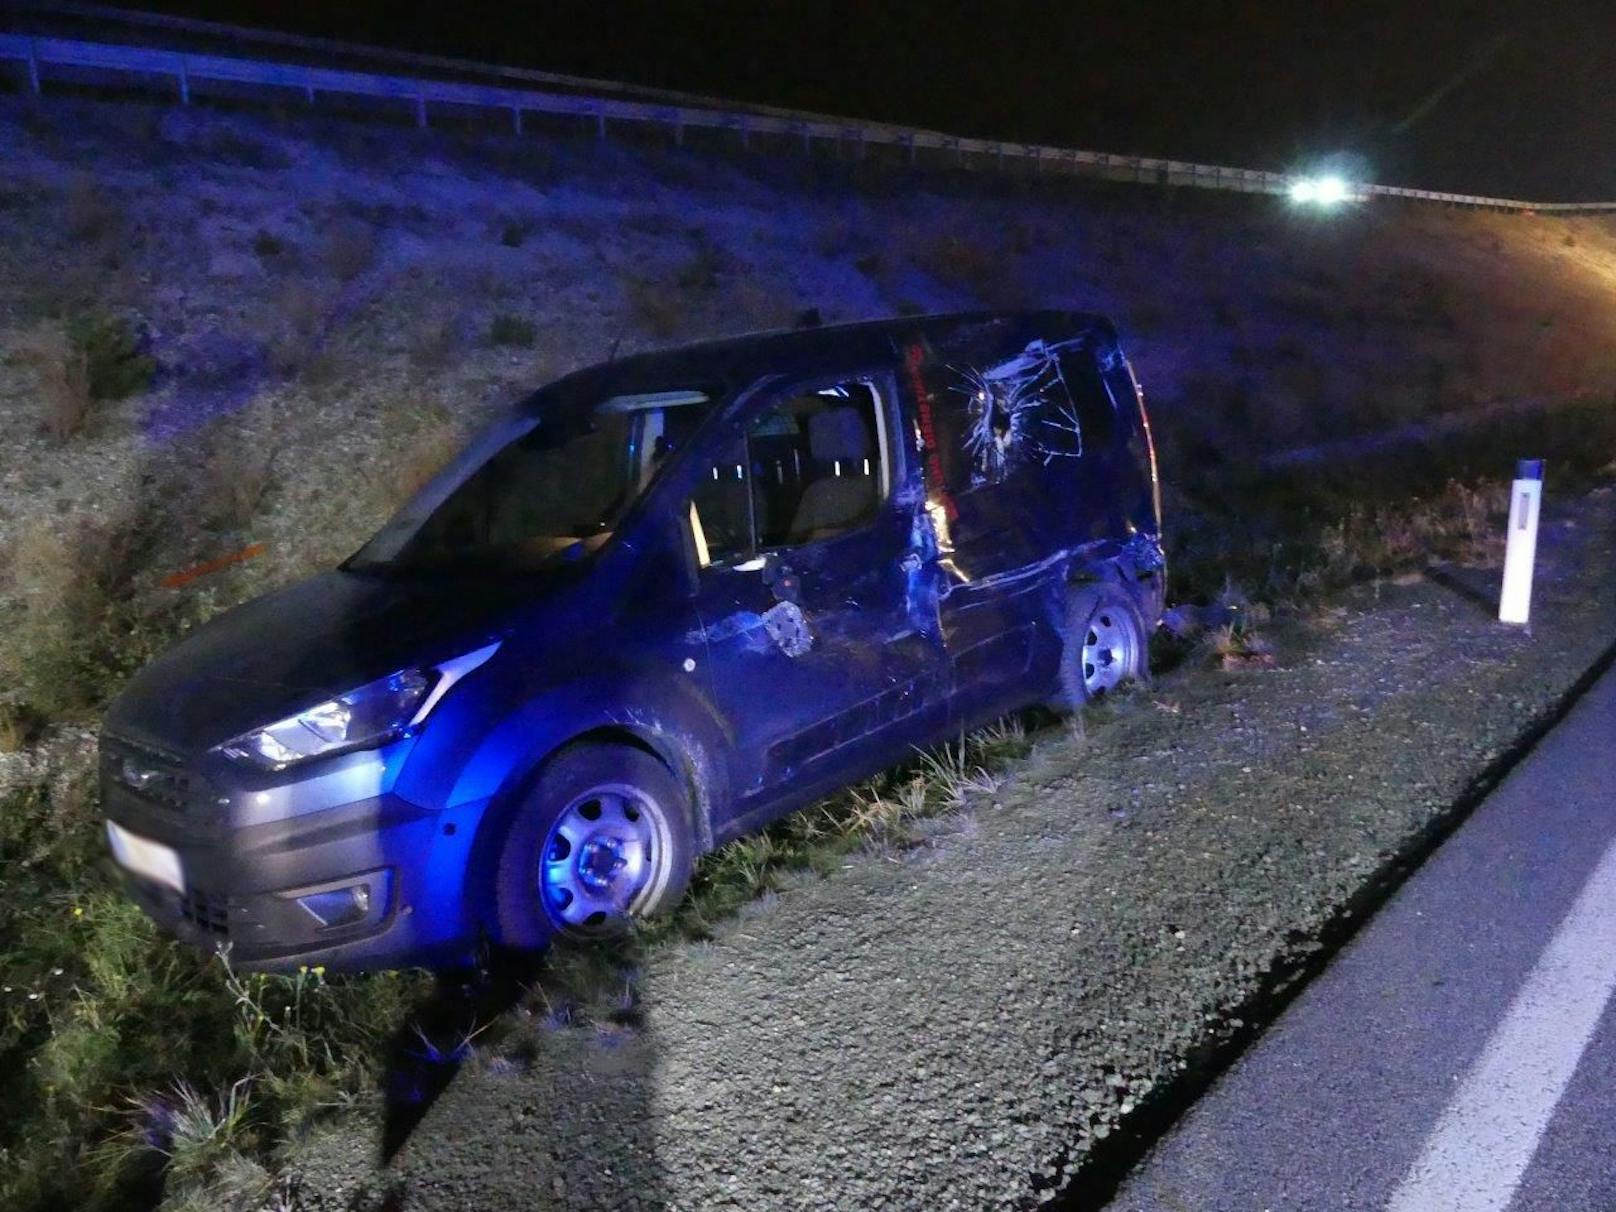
<point x="661" y="603"/>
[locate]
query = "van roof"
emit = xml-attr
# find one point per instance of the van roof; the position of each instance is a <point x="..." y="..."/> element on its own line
<point x="734" y="361"/>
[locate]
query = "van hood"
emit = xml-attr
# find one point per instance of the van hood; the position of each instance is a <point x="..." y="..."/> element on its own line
<point x="280" y="653"/>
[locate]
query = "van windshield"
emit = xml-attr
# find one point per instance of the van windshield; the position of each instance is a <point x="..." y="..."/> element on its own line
<point x="553" y="494"/>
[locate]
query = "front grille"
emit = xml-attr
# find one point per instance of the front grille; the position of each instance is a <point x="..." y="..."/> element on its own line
<point x="159" y="779"/>
<point x="206" y="911"/>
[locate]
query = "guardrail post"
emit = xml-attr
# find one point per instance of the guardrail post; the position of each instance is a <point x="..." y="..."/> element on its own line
<point x="184" y="81"/>
<point x="746" y="133"/>
<point x="909" y="142"/>
<point x="308" y="84"/>
<point x="679" y="128"/>
<point x="600" y="123"/>
<point x="33" y="68"/>
<point x="516" y="119"/>
<point x="420" y="108"/>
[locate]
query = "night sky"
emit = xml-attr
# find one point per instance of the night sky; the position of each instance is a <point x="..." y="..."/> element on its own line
<point x="1481" y="97"/>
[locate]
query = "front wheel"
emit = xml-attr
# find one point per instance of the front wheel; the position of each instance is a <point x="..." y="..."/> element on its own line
<point x="1105" y="644"/>
<point x="602" y="837"/>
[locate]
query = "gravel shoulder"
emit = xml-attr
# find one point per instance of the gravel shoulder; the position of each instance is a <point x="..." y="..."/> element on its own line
<point x="958" y="1026"/>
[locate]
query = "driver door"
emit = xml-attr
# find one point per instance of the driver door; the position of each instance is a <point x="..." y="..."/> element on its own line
<point x="813" y="660"/>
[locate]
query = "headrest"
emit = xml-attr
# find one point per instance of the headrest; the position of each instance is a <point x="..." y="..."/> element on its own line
<point x="838" y="433"/>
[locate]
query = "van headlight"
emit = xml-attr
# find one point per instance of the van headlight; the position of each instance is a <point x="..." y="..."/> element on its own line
<point x="374" y="714"/>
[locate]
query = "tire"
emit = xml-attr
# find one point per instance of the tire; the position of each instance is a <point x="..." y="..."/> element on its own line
<point x="603" y="836"/>
<point x="1106" y="644"/>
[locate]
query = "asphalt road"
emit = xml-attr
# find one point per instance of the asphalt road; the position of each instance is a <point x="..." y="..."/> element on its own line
<point x="1461" y="1052"/>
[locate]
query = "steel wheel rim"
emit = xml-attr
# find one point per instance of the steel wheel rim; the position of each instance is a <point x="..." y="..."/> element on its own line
<point x="1109" y="651"/>
<point x="604" y="857"/>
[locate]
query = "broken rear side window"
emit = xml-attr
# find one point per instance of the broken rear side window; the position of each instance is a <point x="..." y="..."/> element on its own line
<point x="1045" y="405"/>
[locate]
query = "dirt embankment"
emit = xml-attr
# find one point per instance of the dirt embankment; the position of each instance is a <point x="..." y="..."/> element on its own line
<point x="959" y="1025"/>
<point x="348" y="299"/>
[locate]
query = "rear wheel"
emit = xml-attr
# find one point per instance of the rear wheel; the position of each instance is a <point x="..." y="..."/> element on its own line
<point x="1105" y="644"/>
<point x="603" y="836"/>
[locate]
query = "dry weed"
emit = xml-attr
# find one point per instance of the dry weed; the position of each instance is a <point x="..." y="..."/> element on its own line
<point x="349" y="249"/>
<point x="20" y="727"/>
<point x="63" y="377"/>
<point x="299" y="329"/>
<point x="235" y="470"/>
<point x="416" y="450"/>
<point x="432" y="345"/>
<point x="758" y="306"/>
<point x="977" y="267"/>
<point x="655" y="309"/>
<point x="90" y="213"/>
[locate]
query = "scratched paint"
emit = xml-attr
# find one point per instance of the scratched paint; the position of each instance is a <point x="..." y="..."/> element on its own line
<point x="783" y="626"/>
<point x="788" y="628"/>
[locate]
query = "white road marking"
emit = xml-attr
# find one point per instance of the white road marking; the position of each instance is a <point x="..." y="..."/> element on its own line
<point x="1475" y="1156"/>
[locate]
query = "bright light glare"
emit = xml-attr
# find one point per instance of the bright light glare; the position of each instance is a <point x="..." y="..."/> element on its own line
<point x="1330" y="190"/>
<point x="1324" y="191"/>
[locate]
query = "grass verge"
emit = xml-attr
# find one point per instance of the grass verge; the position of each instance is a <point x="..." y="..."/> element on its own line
<point x="137" y="1064"/>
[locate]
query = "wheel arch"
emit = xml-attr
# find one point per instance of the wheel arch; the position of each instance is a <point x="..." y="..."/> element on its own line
<point x="678" y="755"/>
<point x="686" y="757"/>
<point x="1136" y="567"/>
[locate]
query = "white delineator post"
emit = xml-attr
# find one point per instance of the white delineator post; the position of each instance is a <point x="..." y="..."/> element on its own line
<point x="1520" y="549"/>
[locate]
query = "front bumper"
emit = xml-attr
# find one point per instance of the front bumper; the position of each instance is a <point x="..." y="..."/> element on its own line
<point x="242" y="885"/>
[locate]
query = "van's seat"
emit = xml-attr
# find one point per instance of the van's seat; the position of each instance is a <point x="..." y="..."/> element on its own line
<point x="832" y="503"/>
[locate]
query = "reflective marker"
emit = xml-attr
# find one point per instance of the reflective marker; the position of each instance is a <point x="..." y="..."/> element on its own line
<point x="1520" y="550"/>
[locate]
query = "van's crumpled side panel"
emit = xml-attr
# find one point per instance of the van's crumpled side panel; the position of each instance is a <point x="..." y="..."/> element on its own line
<point x="1037" y="475"/>
<point x="922" y="586"/>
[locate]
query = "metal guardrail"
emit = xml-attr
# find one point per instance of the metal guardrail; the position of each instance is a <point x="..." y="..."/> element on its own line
<point x="70" y="19"/>
<point x="183" y="71"/>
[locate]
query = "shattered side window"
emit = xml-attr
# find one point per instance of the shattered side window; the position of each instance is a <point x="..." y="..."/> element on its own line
<point x="1021" y="411"/>
<point x="1091" y="377"/>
